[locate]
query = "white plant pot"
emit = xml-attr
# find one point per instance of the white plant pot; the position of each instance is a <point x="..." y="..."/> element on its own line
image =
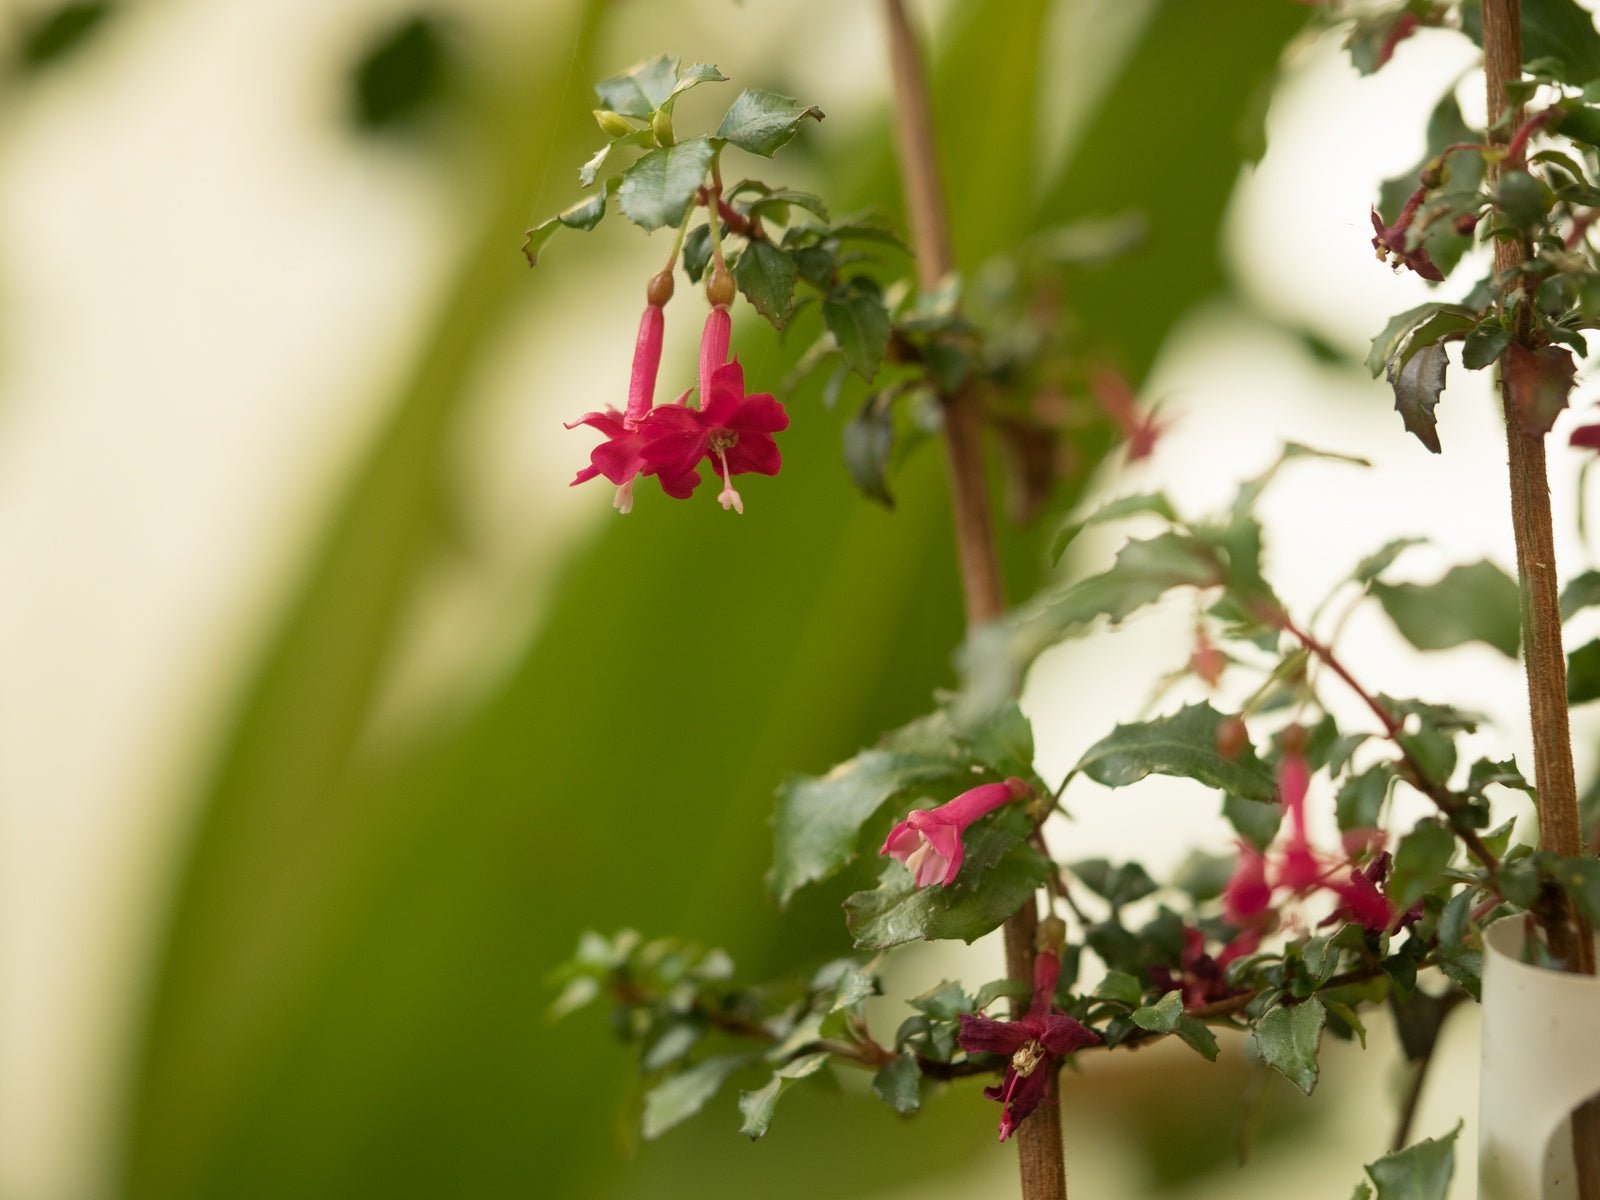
<point x="1541" y="1058"/>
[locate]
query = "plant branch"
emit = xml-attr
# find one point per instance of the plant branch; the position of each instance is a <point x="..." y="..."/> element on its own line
<point x="1039" y="1147"/>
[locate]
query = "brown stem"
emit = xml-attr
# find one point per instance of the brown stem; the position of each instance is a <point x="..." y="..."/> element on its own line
<point x="1039" y="1148"/>
<point x="1545" y="661"/>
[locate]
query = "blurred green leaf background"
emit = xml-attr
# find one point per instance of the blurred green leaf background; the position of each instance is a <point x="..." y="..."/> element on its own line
<point x="369" y="862"/>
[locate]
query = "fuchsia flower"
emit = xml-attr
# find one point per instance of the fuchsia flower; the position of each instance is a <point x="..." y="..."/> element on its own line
<point x="1034" y="1043"/>
<point x="1202" y="980"/>
<point x="928" y="841"/>
<point x="1390" y="241"/>
<point x="1247" y="894"/>
<point x="731" y="428"/>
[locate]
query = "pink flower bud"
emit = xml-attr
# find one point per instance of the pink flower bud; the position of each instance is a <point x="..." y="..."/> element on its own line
<point x="713" y="348"/>
<point x="646" y="362"/>
<point x="928" y="841"/>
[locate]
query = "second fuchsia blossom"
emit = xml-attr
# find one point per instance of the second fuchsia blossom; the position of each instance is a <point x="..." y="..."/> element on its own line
<point x="1034" y="1043"/>
<point x="928" y="841"/>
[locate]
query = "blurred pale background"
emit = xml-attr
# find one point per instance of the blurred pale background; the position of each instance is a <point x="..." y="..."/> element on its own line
<point x="328" y="715"/>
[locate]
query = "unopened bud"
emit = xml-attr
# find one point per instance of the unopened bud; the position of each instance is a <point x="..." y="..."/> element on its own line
<point x="659" y="290"/>
<point x="1293" y="739"/>
<point x="719" y="287"/>
<point x="1466" y="223"/>
<point x="661" y="126"/>
<point x="1232" y="738"/>
<point x="1052" y="935"/>
<point x="612" y="124"/>
<point x="1433" y="174"/>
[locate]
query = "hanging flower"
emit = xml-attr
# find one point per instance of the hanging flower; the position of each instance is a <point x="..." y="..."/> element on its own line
<point x="732" y="429"/>
<point x="1034" y="1043"/>
<point x="928" y="841"/>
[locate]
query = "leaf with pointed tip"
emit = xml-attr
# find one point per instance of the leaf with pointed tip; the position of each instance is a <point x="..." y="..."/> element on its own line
<point x="1537" y="385"/>
<point x="856" y="316"/>
<point x="1416" y="393"/>
<point x="1477" y="602"/>
<point x="1287" y="1040"/>
<point x="761" y="122"/>
<point x="898" y="1084"/>
<point x="657" y="190"/>
<point x="681" y="1095"/>
<point x="766" y="274"/>
<point x="638" y="92"/>
<point x="758" y="1106"/>
<point x="1419" y="1172"/>
<point x="584" y="215"/>
<point x="1183" y="744"/>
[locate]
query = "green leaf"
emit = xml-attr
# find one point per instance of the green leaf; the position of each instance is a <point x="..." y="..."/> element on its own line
<point x="766" y="274"/>
<point x="1197" y="1035"/>
<point x="656" y="191"/>
<point x="1119" y="885"/>
<point x="1183" y="744"/>
<point x="400" y="74"/>
<point x="1000" y="871"/>
<point x="898" y="1084"/>
<point x="1163" y="1015"/>
<point x="855" y="315"/>
<point x="1143" y="504"/>
<point x="1419" y="1172"/>
<point x="945" y="1001"/>
<point x="1360" y="800"/>
<point x="1386" y="346"/>
<point x="591" y="169"/>
<point x="819" y="819"/>
<point x="1484" y="344"/>
<point x="1287" y="1039"/>
<point x="1254" y="821"/>
<point x="642" y="89"/>
<point x="757" y="1107"/>
<point x="760" y="122"/>
<point x="1473" y="603"/>
<point x="1555" y="30"/>
<point x="1416" y="386"/>
<point x="1120" y="986"/>
<point x="1376" y="563"/>
<point x="584" y="215"/>
<point x="1583" y="673"/>
<point x="1580" y="593"/>
<point x="868" y="440"/>
<point x="1420" y="861"/>
<point x="680" y="1096"/>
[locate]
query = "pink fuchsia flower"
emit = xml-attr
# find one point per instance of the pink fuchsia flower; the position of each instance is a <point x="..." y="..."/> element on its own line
<point x="928" y="841"/>
<point x="733" y="429"/>
<point x="1247" y="894"/>
<point x="1390" y="241"/>
<point x="1034" y="1043"/>
<point x="1298" y="868"/>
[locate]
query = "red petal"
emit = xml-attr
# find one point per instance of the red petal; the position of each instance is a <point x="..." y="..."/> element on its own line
<point x="760" y="413"/>
<point x="985" y="1035"/>
<point x="727" y="391"/>
<point x="754" y="453"/>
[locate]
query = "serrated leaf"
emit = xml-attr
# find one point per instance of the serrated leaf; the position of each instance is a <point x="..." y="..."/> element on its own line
<point x="1477" y="602"/>
<point x="1163" y="1015"/>
<point x="898" y="1084"/>
<point x="859" y="322"/>
<point x="1417" y="386"/>
<point x="680" y="1096"/>
<point x="758" y="1106"/>
<point x="853" y="986"/>
<point x="766" y="274"/>
<point x="1145" y="504"/>
<point x="1183" y="744"/>
<point x="1387" y="344"/>
<point x="819" y="820"/>
<point x="868" y="441"/>
<point x="1287" y="1040"/>
<point x="1120" y="986"/>
<point x="1419" y="1172"/>
<point x="1000" y="871"/>
<point x="584" y="215"/>
<point x="591" y="169"/>
<point x="761" y="122"/>
<point x="1537" y="384"/>
<point x="642" y="89"/>
<point x="657" y="190"/>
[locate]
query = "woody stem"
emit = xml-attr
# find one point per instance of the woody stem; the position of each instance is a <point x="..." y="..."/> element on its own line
<point x="1039" y="1145"/>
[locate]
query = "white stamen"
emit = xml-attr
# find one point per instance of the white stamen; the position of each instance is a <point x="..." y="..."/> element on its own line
<point x="728" y="497"/>
<point x="1027" y="1058"/>
<point x="624" y="499"/>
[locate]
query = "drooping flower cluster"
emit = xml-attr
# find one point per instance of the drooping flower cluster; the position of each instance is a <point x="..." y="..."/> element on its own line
<point x="669" y="441"/>
<point x="1035" y="1043"/>
<point x="1299" y="869"/>
<point x="928" y="841"/>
